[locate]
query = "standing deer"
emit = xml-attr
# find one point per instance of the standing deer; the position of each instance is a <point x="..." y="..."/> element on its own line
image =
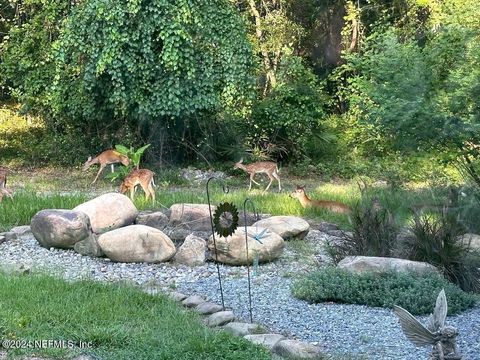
<point x="108" y="157"/>
<point x="3" y="184"/>
<point x="267" y="167"/>
<point x="334" y="206"/>
<point x="142" y="177"/>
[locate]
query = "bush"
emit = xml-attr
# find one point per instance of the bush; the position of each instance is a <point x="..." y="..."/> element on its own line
<point x="438" y="241"/>
<point x="373" y="233"/>
<point x="417" y="294"/>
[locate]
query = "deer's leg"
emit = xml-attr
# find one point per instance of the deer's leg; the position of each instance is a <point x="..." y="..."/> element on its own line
<point x="113" y="168"/>
<point x="276" y="176"/>
<point x="132" y="192"/>
<point x="252" y="180"/>
<point x="270" y="183"/>
<point x="98" y="174"/>
<point x="152" y="191"/>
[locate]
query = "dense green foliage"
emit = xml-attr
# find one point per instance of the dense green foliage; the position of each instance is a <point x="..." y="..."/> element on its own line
<point x="119" y="321"/>
<point x="343" y="88"/>
<point x="415" y="293"/>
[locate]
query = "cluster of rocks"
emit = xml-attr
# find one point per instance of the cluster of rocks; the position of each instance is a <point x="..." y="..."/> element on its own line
<point x="111" y="226"/>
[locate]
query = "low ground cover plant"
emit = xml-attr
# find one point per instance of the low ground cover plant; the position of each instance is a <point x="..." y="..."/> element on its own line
<point x="415" y="293"/>
<point x="118" y="321"/>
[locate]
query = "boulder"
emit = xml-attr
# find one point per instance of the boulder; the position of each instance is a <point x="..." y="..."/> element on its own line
<point x="191" y="252"/>
<point x="231" y="249"/>
<point x="285" y="226"/>
<point x="471" y="240"/>
<point x="89" y="247"/>
<point x="156" y="219"/>
<point x="190" y="216"/>
<point x="363" y="264"/>
<point x="137" y="243"/>
<point x="60" y="228"/>
<point x="108" y="212"/>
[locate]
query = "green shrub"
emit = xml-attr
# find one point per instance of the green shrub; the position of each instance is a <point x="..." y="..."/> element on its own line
<point x="438" y="241"/>
<point x="415" y="293"/>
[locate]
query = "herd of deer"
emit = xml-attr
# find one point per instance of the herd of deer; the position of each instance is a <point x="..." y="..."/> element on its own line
<point x="144" y="178"/>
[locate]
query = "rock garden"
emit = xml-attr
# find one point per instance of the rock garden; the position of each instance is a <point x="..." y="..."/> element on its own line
<point x="173" y="252"/>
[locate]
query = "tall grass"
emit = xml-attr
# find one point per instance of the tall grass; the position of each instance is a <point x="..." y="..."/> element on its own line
<point x="119" y="321"/>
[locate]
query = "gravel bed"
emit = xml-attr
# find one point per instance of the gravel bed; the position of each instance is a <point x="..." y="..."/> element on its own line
<point x="360" y="331"/>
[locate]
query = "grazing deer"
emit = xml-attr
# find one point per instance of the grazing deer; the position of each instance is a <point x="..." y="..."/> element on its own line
<point x="108" y="157"/>
<point x="334" y="206"/>
<point x="3" y="184"/>
<point x="267" y="167"/>
<point x="142" y="177"/>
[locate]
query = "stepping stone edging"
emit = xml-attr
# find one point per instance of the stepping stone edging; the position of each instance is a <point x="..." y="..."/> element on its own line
<point x="216" y="317"/>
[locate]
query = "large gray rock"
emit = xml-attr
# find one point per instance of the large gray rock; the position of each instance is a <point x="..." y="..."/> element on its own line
<point x="285" y="226"/>
<point x="156" y="219"/>
<point x="191" y="252"/>
<point x="60" y="228"/>
<point x="363" y="264"/>
<point x="108" y="212"/>
<point x="231" y="249"/>
<point x="190" y="216"/>
<point x="137" y="243"/>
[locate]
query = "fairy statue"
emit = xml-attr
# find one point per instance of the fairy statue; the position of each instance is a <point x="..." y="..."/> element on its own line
<point x="436" y="333"/>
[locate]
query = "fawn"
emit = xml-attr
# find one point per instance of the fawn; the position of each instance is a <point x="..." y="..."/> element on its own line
<point x="267" y="167"/>
<point x="3" y="184"/>
<point x="334" y="206"/>
<point x="142" y="177"/>
<point x="108" y="157"/>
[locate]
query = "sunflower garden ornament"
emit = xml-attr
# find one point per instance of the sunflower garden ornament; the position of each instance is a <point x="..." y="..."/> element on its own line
<point x="225" y="219"/>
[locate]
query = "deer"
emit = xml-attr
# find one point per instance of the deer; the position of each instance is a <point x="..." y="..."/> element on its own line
<point x="334" y="206"/>
<point x="108" y="157"/>
<point x="142" y="177"/>
<point x="3" y="185"/>
<point x="267" y="167"/>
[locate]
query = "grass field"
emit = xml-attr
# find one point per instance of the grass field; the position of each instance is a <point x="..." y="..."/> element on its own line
<point x="116" y="321"/>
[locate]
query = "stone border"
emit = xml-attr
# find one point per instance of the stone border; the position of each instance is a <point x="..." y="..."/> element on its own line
<point x="214" y="316"/>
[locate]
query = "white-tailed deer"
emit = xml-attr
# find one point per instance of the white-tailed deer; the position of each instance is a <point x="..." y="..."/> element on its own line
<point x="142" y="177"/>
<point x="3" y="184"/>
<point x="334" y="206"/>
<point x="267" y="167"/>
<point x="108" y="157"/>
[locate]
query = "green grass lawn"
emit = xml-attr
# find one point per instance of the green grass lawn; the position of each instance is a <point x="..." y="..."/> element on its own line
<point x="120" y="322"/>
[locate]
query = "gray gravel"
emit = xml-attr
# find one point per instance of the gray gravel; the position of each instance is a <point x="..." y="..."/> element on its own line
<point x="359" y="331"/>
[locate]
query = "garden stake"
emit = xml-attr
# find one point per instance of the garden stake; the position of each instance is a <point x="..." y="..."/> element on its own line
<point x="225" y="190"/>
<point x="246" y="249"/>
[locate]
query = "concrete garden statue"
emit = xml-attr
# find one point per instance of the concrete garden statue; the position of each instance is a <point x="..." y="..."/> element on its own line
<point x="436" y="333"/>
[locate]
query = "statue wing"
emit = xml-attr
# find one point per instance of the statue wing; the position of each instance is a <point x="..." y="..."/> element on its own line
<point x="413" y="329"/>
<point x="440" y="312"/>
